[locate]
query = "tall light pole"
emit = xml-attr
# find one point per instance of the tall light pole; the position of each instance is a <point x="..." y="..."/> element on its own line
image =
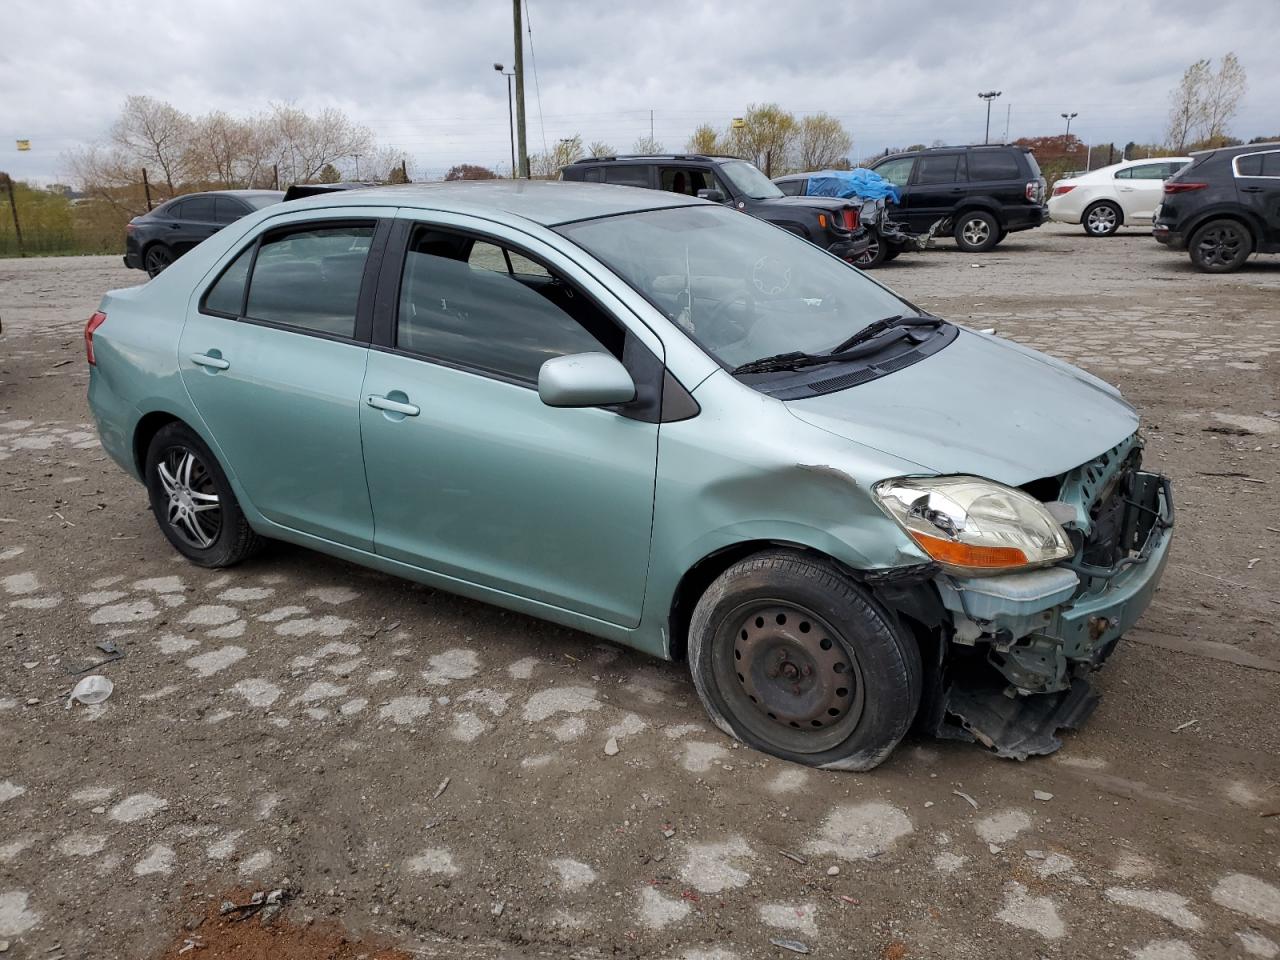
<point x="520" y="138"/>
<point x="511" y="123"/>
<point x="1068" y="117"/>
<point x="988" y="96"/>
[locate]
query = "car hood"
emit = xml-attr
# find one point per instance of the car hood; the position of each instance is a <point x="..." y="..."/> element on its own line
<point x="817" y="203"/>
<point x="983" y="406"/>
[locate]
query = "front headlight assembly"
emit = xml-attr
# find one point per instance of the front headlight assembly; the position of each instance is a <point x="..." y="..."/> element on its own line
<point x="973" y="526"/>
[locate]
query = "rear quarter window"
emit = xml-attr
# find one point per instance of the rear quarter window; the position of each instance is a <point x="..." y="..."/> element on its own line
<point x="997" y="165"/>
<point x="627" y="176"/>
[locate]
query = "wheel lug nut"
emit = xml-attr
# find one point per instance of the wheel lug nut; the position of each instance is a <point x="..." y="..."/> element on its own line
<point x="808" y="670"/>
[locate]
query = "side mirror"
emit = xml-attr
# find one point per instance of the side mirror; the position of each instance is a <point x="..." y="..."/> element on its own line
<point x="585" y="380"/>
<point x="715" y="196"/>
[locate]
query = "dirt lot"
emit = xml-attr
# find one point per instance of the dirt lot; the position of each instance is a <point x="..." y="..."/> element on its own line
<point x="292" y="722"/>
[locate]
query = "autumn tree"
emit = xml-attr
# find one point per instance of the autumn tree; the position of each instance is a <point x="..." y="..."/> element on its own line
<point x="1223" y="92"/>
<point x="821" y="141"/>
<point x="1204" y="102"/>
<point x="764" y="137"/>
<point x="470" y="171"/>
<point x="704" y="140"/>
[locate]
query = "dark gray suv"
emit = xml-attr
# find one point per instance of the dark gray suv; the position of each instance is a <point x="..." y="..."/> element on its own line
<point x="159" y="237"/>
<point x="978" y="194"/>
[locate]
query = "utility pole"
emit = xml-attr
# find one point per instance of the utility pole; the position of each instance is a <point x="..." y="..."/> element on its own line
<point x="17" y="229"/>
<point x="511" y="124"/>
<point x="1008" y="110"/>
<point x="520" y="137"/>
<point x="650" y="128"/>
<point x="988" y="96"/>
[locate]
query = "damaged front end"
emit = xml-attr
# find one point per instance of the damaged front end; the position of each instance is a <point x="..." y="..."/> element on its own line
<point x="1017" y="648"/>
<point x="875" y="215"/>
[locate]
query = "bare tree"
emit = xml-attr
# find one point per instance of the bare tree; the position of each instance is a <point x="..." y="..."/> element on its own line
<point x="647" y="146"/>
<point x="217" y="150"/>
<point x="546" y="166"/>
<point x="305" y="142"/>
<point x="156" y="135"/>
<point x="1187" y="106"/>
<point x="470" y="171"/>
<point x="1221" y="100"/>
<point x="599" y="148"/>
<point x="821" y="141"/>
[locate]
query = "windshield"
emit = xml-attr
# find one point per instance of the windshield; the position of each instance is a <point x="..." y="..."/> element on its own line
<point x="741" y="287"/>
<point x="749" y="181"/>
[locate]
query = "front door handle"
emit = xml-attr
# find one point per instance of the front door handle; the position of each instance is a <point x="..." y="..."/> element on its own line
<point x="204" y="360"/>
<point x="1250" y="189"/>
<point x="393" y="406"/>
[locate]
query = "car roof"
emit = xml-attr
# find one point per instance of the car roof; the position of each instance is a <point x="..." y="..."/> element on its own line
<point x="228" y="193"/>
<point x="1238" y="149"/>
<point x="654" y="158"/>
<point x="545" y="202"/>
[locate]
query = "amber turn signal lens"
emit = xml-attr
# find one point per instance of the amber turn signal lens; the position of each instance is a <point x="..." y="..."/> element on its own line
<point x="964" y="555"/>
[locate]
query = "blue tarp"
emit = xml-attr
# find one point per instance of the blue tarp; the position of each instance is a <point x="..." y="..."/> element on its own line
<point x="866" y="184"/>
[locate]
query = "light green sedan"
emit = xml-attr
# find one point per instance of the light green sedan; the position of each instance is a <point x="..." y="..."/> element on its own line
<point x="653" y="419"/>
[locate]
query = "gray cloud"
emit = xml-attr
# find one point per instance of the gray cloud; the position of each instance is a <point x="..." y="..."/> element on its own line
<point x="420" y="74"/>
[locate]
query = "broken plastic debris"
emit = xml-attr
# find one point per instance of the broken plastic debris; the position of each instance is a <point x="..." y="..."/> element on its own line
<point x="91" y="690"/>
<point x="795" y="946"/>
<point x="1043" y="795"/>
<point x="965" y="797"/>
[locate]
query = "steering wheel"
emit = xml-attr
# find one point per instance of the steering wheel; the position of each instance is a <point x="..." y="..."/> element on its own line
<point x="719" y="328"/>
<point x="771" y="276"/>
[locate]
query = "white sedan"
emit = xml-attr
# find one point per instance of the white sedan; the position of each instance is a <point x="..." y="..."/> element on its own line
<point x="1123" y="194"/>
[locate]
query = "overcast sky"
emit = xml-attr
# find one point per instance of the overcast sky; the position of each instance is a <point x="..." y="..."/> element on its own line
<point x="420" y="73"/>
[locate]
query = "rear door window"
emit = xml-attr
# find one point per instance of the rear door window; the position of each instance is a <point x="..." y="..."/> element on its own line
<point x="309" y="277"/>
<point x="199" y="209"/>
<point x="940" y="168"/>
<point x="226" y="296"/>
<point x="1146" y="171"/>
<point x="1259" y="165"/>
<point x="994" y="165"/>
<point x="630" y="176"/>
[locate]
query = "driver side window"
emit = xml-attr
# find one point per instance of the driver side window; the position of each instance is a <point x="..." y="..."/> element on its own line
<point x="486" y="307"/>
<point x="897" y="172"/>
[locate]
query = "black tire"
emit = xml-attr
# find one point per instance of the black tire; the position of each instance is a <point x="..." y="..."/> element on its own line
<point x="793" y="658"/>
<point x="1102" y="219"/>
<point x="1220" y="246"/>
<point x="891" y="252"/>
<point x="976" y="231"/>
<point x="157" y="259"/>
<point x="875" y="254"/>
<point x="193" y="501"/>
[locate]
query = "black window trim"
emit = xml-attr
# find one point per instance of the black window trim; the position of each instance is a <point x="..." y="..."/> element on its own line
<point x="363" y="332"/>
<point x="660" y="397"/>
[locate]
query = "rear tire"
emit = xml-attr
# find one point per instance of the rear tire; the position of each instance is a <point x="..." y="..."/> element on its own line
<point x="976" y="231"/>
<point x="1102" y="219"/>
<point x="157" y="259"/>
<point x="1220" y="246"/>
<point x="876" y="252"/>
<point x="193" y="502"/>
<point x="793" y="658"/>
<point x="891" y="252"/>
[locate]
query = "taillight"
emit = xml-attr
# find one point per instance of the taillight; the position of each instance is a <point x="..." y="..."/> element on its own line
<point x="1182" y="186"/>
<point x="130" y="227"/>
<point x="850" y="218"/>
<point x="97" y="320"/>
<point x="1059" y="191"/>
<point x="1033" y="189"/>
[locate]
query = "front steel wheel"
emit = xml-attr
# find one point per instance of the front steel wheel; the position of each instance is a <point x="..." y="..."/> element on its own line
<point x="794" y="658"/>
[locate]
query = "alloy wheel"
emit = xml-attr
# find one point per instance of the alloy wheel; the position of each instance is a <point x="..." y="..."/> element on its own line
<point x="1102" y="220"/>
<point x="976" y="232"/>
<point x="194" y="511"/>
<point x="871" y="253"/>
<point x="158" y="258"/>
<point x="1220" y="246"/>
<point x="789" y="676"/>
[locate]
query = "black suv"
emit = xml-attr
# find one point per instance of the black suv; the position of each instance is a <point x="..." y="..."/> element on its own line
<point x="156" y="239"/>
<point x="1223" y="206"/>
<point x="978" y="194"/>
<point x="830" y="222"/>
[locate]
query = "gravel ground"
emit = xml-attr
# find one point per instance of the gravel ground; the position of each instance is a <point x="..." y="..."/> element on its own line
<point x="431" y="771"/>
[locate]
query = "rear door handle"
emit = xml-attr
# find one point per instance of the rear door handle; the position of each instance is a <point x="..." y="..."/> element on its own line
<point x="394" y="406"/>
<point x="204" y="360"/>
<point x="1250" y="189"/>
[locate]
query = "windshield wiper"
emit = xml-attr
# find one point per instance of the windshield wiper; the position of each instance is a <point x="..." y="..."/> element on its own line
<point x="873" y="330"/>
<point x="853" y="348"/>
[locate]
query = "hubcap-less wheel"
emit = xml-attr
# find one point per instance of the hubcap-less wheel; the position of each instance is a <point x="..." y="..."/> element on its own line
<point x="790" y="677"/>
<point x="1220" y="246"/>
<point x="158" y="258"/>
<point x="194" y="512"/>
<point x="1102" y="220"/>
<point x="976" y="232"/>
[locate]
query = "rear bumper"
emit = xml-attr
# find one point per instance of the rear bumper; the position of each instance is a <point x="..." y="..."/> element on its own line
<point x="1024" y="218"/>
<point x="849" y="249"/>
<point x="1169" y="237"/>
<point x="132" y="253"/>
